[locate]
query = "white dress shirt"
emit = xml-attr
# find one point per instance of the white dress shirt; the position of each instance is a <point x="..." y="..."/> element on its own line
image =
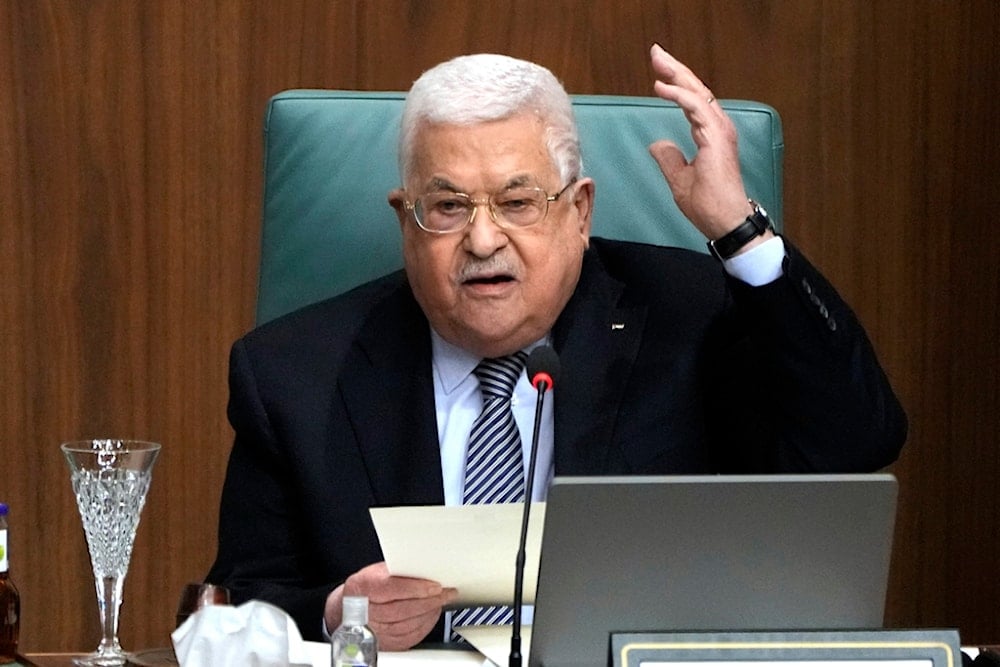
<point x="458" y="402"/>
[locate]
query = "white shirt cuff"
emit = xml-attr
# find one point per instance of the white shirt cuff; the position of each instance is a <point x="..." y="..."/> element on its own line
<point x="759" y="265"/>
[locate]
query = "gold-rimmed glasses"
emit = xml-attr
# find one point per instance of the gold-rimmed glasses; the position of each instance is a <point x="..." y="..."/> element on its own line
<point x="445" y="212"/>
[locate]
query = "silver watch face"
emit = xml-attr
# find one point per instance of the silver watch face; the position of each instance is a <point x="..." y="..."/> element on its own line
<point x="759" y="218"/>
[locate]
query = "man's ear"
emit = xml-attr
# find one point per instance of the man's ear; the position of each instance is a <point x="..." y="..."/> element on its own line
<point x="583" y="202"/>
<point x="397" y="200"/>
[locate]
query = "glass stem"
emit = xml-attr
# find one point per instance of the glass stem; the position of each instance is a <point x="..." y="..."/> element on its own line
<point x="109" y="599"/>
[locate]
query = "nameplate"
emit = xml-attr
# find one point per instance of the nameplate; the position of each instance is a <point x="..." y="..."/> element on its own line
<point x="861" y="648"/>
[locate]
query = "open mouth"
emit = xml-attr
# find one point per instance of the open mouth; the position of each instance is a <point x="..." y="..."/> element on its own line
<point x="490" y="280"/>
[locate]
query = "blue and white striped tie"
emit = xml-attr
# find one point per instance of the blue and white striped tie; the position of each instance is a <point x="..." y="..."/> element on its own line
<point x="494" y="467"/>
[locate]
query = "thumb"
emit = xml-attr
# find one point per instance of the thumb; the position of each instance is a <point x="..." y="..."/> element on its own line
<point x="669" y="157"/>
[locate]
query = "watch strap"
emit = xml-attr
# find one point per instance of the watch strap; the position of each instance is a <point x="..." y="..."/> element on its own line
<point x="755" y="224"/>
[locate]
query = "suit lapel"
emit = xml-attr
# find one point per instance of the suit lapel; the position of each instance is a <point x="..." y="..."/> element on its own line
<point x="389" y="397"/>
<point x="597" y="338"/>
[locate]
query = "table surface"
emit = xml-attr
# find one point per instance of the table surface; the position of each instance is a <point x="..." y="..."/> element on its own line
<point x="156" y="657"/>
<point x="48" y="660"/>
<point x="163" y="657"/>
<point x="148" y="658"/>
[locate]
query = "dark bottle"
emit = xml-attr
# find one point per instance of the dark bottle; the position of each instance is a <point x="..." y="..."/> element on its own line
<point x="10" y="600"/>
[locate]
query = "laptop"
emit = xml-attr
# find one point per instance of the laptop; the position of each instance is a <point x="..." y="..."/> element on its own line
<point x="690" y="553"/>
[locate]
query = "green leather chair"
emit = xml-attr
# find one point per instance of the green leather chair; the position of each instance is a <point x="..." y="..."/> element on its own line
<point x="330" y="160"/>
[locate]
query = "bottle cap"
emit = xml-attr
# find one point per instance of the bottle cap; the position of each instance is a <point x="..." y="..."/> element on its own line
<point x="355" y="610"/>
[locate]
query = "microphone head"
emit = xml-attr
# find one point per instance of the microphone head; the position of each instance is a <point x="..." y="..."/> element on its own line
<point x="543" y="366"/>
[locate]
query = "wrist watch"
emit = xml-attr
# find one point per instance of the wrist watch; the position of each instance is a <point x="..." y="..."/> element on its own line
<point x="756" y="224"/>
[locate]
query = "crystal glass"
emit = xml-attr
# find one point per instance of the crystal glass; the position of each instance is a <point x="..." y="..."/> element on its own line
<point x="110" y="479"/>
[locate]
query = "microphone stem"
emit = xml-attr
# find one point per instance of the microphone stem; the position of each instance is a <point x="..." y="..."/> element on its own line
<point x="529" y="483"/>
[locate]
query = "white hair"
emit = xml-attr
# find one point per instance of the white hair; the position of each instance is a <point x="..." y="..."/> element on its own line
<point x="486" y="87"/>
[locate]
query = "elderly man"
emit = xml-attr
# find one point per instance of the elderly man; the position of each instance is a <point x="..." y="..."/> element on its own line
<point x="673" y="361"/>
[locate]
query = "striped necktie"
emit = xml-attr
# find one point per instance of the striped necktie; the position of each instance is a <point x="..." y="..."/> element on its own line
<point x="494" y="467"/>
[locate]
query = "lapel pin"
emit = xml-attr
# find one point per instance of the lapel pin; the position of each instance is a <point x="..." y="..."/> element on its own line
<point x="617" y="326"/>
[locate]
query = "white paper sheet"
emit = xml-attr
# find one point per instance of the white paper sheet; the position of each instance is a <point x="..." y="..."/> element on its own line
<point x="472" y="548"/>
<point x="493" y="641"/>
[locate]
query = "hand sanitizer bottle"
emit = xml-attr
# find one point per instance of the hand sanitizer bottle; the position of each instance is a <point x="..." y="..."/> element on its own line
<point x="353" y="644"/>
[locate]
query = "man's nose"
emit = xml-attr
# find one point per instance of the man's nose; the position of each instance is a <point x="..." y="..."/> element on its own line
<point x="484" y="236"/>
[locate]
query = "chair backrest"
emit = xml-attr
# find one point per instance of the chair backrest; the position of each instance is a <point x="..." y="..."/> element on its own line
<point x="330" y="160"/>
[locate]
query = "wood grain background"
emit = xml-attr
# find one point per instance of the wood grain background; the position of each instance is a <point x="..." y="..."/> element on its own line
<point x="130" y="162"/>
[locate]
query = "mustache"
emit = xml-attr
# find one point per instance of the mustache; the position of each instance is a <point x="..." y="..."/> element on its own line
<point x="490" y="266"/>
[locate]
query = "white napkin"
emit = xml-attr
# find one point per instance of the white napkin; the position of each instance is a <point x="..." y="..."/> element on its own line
<point x="255" y="634"/>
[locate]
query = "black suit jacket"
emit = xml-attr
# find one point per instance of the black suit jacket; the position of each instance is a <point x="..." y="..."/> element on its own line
<point x="668" y="366"/>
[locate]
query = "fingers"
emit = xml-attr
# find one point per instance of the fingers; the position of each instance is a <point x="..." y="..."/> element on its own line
<point x="401" y="610"/>
<point x="677" y="83"/>
<point x="673" y="72"/>
<point x="401" y="624"/>
<point x="375" y="582"/>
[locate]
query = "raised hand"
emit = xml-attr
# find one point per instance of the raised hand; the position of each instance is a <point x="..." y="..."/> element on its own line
<point x="708" y="188"/>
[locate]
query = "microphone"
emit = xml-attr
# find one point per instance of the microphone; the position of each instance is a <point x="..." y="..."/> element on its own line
<point x="542" y="368"/>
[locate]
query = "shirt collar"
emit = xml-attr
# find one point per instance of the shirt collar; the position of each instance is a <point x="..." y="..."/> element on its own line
<point x="453" y="365"/>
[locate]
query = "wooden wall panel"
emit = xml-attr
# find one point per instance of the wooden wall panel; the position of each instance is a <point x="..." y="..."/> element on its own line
<point x="129" y="213"/>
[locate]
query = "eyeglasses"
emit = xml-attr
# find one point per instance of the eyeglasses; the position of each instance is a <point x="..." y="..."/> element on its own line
<point x="447" y="212"/>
